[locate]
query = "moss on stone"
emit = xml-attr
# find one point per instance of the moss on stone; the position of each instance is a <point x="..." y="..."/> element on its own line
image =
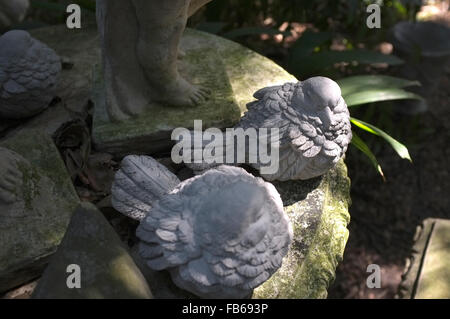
<point x="33" y="227"/>
<point x="320" y="234"/>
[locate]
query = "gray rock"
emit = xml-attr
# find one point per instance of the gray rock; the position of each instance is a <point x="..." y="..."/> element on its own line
<point x="220" y="234"/>
<point x="314" y="129"/>
<point x="140" y="43"/>
<point x="28" y="75"/>
<point x="37" y="199"/>
<point x="107" y="270"/>
<point x="11" y="177"/>
<point x="12" y="12"/>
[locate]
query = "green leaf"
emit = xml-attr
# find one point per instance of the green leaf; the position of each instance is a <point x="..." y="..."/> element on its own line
<point x="253" y="31"/>
<point x="378" y="95"/>
<point x="306" y="44"/>
<point x="362" y="146"/>
<point x="87" y="4"/>
<point x="358" y="83"/>
<point x="401" y="149"/>
<point x="56" y="7"/>
<point x="322" y="60"/>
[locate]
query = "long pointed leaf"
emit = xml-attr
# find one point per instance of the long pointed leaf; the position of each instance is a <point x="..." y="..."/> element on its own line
<point x="378" y="95"/>
<point x="253" y="31"/>
<point x="362" y="146"/>
<point x="401" y="149"/>
<point x="358" y="83"/>
<point x="306" y="44"/>
<point x="325" y="59"/>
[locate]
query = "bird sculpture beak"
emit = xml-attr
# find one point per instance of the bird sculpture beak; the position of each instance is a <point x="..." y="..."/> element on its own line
<point x="326" y="116"/>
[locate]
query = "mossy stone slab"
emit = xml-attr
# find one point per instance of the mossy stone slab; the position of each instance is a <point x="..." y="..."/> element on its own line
<point x="106" y="270"/>
<point x="427" y="271"/>
<point x="32" y="228"/>
<point x="318" y="211"/>
<point x="230" y="71"/>
<point x="434" y="281"/>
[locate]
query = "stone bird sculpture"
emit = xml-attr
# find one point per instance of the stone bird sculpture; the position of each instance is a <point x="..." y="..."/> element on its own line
<point x="28" y="75"/>
<point x="314" y="128"/>
<point x="12" y="11"/>
<point x="220" y="234"/>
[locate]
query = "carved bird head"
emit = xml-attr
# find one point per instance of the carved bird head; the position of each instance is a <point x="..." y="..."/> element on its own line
<point x="319" y="97"/>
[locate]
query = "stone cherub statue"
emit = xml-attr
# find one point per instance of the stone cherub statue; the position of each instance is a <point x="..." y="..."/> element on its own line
<point x="140" y="48"/>
<point x="314" y="128"/>
<point x="220" y="235"/>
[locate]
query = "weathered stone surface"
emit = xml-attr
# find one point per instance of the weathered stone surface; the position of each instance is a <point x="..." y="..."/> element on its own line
<point x="107" y="270"/>
<point x="318" y="211"/>
<point x="32" y="228"/>
<point x="231" y="72"/>
<point x="427" y="273"/>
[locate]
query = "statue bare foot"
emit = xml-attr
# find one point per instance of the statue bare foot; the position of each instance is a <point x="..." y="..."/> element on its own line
<point x="183" y="93"/>
<point x="10" y="176"/>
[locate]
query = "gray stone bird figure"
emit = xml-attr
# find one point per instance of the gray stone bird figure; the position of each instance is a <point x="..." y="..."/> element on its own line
<point x="12" y="11"/>
<point x="28" y="75"/>
<point x="314" y="129"/>
<point x="220" y="234"/>
<point x="314" y="125"/>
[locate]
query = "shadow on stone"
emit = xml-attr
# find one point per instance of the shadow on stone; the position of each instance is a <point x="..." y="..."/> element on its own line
<point x="106" y="268"/>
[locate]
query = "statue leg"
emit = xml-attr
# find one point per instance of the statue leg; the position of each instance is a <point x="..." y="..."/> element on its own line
<point x="126" y="87"/>
<point x="161" y="25"/>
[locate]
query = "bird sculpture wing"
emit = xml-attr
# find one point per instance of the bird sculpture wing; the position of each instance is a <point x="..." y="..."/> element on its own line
<point x="197" y="228"/>
<point x="140" y="182"/>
